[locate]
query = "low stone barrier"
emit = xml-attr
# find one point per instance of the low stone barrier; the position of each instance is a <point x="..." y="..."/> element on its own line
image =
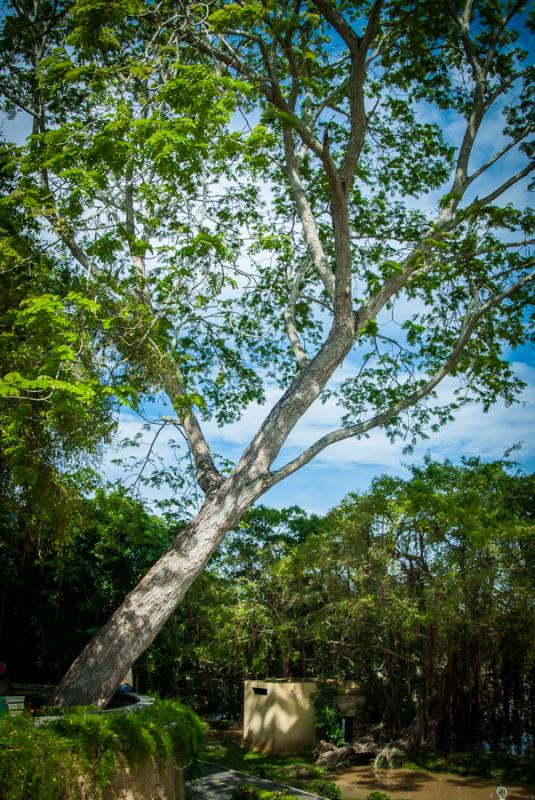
<point x="147" y="781"/>
<point x="154" y="777"/>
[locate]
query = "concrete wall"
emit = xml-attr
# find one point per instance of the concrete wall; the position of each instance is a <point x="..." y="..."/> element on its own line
<point x="278" y="716"/>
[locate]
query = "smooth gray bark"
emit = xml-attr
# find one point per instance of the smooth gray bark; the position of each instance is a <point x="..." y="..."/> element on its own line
<point x="95" y="675"/>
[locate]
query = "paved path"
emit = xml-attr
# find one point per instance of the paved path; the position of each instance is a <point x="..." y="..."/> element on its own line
<point x="216" y="783"/>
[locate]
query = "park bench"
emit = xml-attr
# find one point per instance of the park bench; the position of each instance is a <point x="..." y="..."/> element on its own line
<point x="14" y="704"/>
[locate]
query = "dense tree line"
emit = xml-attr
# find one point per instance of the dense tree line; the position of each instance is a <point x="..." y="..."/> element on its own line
<point x="421" y="589"/>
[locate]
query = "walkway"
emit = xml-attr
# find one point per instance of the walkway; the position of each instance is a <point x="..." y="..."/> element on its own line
<point x="216" y="783"/>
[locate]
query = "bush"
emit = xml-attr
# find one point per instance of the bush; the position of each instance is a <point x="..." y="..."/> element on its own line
<point x="326" y="720"/>
<point x="325" y="788"/>
<point x="48" y="763"/>
<point x="244" y="791"/>
<point x="378" y="796"/>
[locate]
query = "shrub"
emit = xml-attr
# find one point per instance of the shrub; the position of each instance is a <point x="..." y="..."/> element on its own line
<point x="244" y="792"/>
<point x="325" y="788"/>
<point x="378" y="796"/>
<point x="326" y="721"/>
<point x="265" y="795"/>
<point x="48" y="763"/>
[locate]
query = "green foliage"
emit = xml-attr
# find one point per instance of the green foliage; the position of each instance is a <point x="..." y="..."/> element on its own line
<point x="245" y="791"/>
<point x="378" y="796"/>
<point x="234" y="15"/>
<point x="417" y="588"/>
<point x="293" y="770"/>
<point x="56" y="409"/>
<point x="325" y="788"/>
<point x="144" y="257"/>
<point x="137" y="125"/>
<point x="87" y="745"/>
<point x="198" y="652"/>
<point x="449" y="554"/>
<point x="326" y="719"/>
<point x="109" y="546"/>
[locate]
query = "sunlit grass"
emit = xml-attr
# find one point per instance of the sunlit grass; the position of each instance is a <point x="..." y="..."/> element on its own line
<point x="294" y="770"/>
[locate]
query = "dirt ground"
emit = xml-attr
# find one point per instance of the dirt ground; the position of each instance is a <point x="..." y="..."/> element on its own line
<point x="405" y="784"/>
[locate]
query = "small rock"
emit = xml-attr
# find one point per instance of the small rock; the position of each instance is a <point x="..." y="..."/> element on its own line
<point x="365" y="746"/>
<point x="300" y="771"/>
<point x="330" y="758"/>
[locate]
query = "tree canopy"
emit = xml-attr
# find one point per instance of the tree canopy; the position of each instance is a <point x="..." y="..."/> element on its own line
<point x="244" y="193"/>
<point x="419" y="589"/>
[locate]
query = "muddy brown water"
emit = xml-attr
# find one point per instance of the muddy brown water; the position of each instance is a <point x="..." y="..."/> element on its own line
<point x="405" y="784"/>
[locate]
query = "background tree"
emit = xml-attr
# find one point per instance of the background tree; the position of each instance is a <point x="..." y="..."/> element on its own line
<point x="420" y="589"/>
<point x="133" y="169"/>
<point x="55" y="413"/>
<point x="55" y="601"/>
<point x="237" y="622"/>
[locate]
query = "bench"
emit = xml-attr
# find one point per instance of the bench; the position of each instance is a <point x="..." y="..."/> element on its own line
<point x="13" y="703"/>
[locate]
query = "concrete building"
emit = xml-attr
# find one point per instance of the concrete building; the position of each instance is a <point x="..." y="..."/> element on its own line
<point x="278" y="716"/>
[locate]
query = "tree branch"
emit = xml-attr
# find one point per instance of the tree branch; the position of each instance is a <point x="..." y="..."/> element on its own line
<point x="16" y="102"/>
<point x="289" y="321"/>
<point x="310" y="230"/>
<point x="514" y="9"/>
<point x="138" y="260"/>
<point x="339" y="23"/>
<point x="379" y="420"/>
<point x="359" y="121"/>
<point x="489" y="198"/>
<point x="463" y="24"/>
<point x="478" y="105"/>
<point x="503" y="87"/>
<point x="497" y="156"/>
<point x="304" y="390"/>
<point x="62" y="229"/>
<point x="270" y="89"/>
<point x="147" y="456"/>
<point x="208" y="476"/>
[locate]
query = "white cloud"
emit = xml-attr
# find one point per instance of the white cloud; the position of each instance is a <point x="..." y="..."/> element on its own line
<point x="472" y="433"/>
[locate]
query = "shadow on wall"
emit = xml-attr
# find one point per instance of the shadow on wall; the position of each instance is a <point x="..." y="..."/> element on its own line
<point x="279" y="715"/>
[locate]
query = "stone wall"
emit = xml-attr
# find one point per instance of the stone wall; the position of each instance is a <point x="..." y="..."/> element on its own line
<point x="147" y="781"/>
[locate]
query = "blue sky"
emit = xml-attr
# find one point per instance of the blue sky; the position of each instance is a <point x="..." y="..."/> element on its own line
<point x="352" y="465"/>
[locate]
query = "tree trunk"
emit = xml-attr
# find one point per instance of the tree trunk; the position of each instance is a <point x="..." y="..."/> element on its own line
<point x="96" y="673"/>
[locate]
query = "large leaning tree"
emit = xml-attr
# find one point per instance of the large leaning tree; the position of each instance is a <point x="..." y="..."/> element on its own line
<point x="252" y="193"/>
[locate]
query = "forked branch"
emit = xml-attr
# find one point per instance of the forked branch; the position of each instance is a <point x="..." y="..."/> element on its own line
<point x="351" y="431"/>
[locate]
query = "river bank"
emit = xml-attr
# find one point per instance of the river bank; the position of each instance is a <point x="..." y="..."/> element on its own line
<point x="407" y="784"/>
<point x="226" y="748"/>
